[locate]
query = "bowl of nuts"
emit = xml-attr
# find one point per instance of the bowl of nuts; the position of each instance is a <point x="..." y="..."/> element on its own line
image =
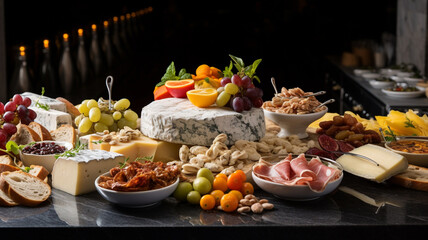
<point x="43" y="153"/>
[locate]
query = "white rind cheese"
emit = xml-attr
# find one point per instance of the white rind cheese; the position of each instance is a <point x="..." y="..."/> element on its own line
<point x="51" y="119"/>
<point x="51" y="102"/>
<point x="177" y="120"/>
<point x="390" y="163"/>
<point x="76" y="175"/>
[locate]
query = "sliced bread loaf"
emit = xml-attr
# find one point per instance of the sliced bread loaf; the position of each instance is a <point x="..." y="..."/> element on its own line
<point x="43" y="133"/>
<point x="414" y="177"/>
<point x="6" y="201"/>
<point x="24" y="188"/>
<point x="38" y="171"/>
<point x="8" y="168"/>
<point x="6" y="159"/>
<point x="25" y="135"/>
<point x="65" y="133"/>
<point x="71" y="109"/>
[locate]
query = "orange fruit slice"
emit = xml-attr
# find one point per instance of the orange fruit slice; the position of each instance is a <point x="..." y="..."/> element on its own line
<point x="204" y="97"/>
<point x="179" y="88"/>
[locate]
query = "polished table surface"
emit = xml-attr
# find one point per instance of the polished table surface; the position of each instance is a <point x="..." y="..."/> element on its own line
<point x="387" y="212"/>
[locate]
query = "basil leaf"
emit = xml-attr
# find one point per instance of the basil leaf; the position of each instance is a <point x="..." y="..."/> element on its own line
<point x="13" y="147"/>
<point x="182" y="72"/>
<point x="255" y="65"/>
<point x="186" y="76"/>
<point x="238" y="62"/>
<point x="257" y="78"/>
<point x="228" y="70"/>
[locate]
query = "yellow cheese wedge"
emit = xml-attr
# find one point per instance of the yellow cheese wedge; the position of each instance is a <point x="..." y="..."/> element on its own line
<point x="390" y="163"/>
<point x="76" y="175"/>
<point x="93" y="143"/>
<point x="166" y="151"/>
<point x="137" y="148"/>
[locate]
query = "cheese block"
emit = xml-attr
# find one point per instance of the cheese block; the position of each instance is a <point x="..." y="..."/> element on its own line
<point x="136" y="148"/>
<point x="51" y="102"/>
<point x="76" y="175"/>
<point x="390" y="163"/>
<point x="51" y="119"/>
<point x="167" y="152"/>
<point x="176" y="120"/>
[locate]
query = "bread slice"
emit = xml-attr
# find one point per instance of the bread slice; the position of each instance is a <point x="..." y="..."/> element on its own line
<point x="38" y="171"/>
<point x="414" y="177"/>
<point x="25" y="135"/>
<point x="65" y="133"/>
<point x="71" y="109"/>
<point x="6" y="159"/>
<point x="8" y="168"/>
<point x="6" y="201"/>
<point x="43" y="133"/>
<point x="24" y="188"/>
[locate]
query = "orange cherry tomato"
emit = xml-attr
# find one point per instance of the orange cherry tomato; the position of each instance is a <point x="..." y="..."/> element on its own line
<point x="222" y="175"/>
<point x="220" y="183"/>
<point x="234" y="181"/>
<point x="247" y="188"/>
<point x="207" y="202"/>
<point x="237" y="194"/>
<point x="243" y="176"/>
<point x="217" y="194"/>
<point x="229" y="202"/>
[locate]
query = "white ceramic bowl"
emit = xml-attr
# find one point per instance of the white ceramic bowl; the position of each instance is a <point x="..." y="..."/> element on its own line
<point x="419" y="159"/>
<point x="397" y="79"/>
<point x="389" y="71"/>
<point x="298" y="192"/>
<point x="46" y="161"/>
<point x="404" y="74"/>
<point x="381" y="84"/>
<point x="293" y="124"/>
<point x="396" y="94"/>
<point x="361" y="71"/>
<point x="412" y="81"/>
<point x="371" y="75"/>
<point x="138" y="198"/>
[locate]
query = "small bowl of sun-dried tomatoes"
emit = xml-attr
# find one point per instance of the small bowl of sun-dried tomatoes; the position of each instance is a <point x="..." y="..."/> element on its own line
<point x="138" y="184"/>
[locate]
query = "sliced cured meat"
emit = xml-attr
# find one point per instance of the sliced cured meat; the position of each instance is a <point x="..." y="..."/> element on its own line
<point x="297" y="172"/>
<point x="324" y="174"/>
<point x="301" y="168"/>
<point x="283" y="168"/>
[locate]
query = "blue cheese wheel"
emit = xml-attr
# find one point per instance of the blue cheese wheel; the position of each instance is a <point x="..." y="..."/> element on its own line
<point x="177" y="120"/>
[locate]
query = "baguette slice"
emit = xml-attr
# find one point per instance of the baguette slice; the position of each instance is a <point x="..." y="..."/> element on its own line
<point x="414" y="177"/>
<point x="43" y="133"/>
<point x="71" y="109"/>
<point x="24" y="188"/>
<point x="6" y="159"/>
<point x="25" y="135"/>
<point x="39" y="171"/>
<point x="65" y="133"/>
<point x="8" y="168"/>
<point x="6" y="201"/>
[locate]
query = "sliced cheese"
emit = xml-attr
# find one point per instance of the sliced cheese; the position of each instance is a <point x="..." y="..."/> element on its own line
<point x="137" y="148"/>
<point x="76" y="175"/>
<point x="390" y="163"/>
<point x="166" y="151"/>
<point x="51" y="119"/>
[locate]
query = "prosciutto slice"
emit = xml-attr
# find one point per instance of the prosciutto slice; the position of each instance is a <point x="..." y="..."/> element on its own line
<point x="297" y="171"/>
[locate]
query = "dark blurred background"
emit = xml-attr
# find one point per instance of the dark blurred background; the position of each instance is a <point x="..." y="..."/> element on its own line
<point x="291" y="37"/>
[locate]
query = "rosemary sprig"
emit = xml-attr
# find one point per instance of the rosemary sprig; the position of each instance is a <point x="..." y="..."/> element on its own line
<point x="72" y="152"/>
<point x="98" y="142"/>
<point x="40" y="105"/>
<point x="122" y="165"/>
<point x="409" y="123"/>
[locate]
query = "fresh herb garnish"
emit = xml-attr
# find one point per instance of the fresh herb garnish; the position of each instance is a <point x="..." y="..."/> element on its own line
<point x="409" y="123"/>
<point x="13" y="150"/>
<point x="144" y="158"/>
<point x="249" y="70"/>
<point x="390" y="135"/>
<point x="122" y="165"/>
<point x="98" y="142"/>
<point x="72" y="152"/>
<point x="40" y="105"/>
<point x="170" y="74"/>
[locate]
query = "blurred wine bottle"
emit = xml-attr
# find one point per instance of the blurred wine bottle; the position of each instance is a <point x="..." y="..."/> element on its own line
<point x="83" y="63"/>
<point x="117" y="41"/>
<point x="124" y="36"/>
<point x="96" y="56"/>
<point x="22" y="78"/>
<point x="68" y="76"/>
<point x="47" y="73"/>
<point x="108" y="49"/>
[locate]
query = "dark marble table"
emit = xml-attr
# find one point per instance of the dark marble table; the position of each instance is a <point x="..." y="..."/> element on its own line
<point x="394" y="213"/>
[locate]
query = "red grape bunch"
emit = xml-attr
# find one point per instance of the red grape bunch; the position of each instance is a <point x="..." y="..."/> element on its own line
<point x="11" y="114"/>
<point x="240" y="93"/>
